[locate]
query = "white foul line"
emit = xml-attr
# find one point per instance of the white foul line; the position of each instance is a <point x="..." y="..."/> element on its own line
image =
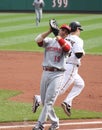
<point x="61" y="124"/>
<point x="82" y="123"/>
<point x="88" y="129"/>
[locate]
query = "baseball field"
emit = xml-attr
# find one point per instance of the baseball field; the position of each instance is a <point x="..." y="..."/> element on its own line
<point x="20" y="72"/>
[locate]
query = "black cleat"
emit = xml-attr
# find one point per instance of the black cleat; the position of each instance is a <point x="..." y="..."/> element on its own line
<point x="67" y="108"/>
<point x="35" y="104"/>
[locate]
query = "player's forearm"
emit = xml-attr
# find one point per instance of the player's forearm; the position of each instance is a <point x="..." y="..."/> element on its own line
<point x="39" y="39"/>
<point x="45" y="34"/>
<point x="66" y="47"/>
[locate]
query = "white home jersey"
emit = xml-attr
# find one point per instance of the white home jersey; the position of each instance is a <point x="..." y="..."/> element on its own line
<point x="77" y="46"/>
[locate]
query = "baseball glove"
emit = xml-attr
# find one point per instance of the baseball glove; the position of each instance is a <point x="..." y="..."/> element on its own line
<point x="54" y="26"/>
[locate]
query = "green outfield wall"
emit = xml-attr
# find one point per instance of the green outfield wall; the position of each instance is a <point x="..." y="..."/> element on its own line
<point x="53" y="5"/>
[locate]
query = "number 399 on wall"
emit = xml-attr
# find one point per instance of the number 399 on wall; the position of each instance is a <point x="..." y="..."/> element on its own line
<point x="59" y="3"/>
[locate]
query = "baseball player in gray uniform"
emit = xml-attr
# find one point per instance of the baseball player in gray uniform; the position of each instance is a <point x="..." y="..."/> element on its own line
<point x="38" y="5"/>
<point x="53" y="72"/>
<point x="73" y="61"/>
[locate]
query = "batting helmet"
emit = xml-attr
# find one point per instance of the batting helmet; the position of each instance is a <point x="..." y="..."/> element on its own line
<point x="75" y="25"/>
<point x="66" y="27"/>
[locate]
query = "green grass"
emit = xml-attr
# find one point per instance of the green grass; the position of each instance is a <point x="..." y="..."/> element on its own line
<point x="18" y="30"/>
<point x="17" y="33"/>
<point x="19" y="111"/>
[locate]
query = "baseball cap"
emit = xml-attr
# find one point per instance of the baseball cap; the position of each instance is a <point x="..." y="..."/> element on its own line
<point x="66" y="27"/>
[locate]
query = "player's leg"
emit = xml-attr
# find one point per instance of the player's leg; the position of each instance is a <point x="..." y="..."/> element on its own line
<point x="68" y="78"/>
<point x="70" y="73"/>
<point x="40" y="13"/>
<point x="36" y="103"/>
<point x="37" y="98"/>
<point x="37" y="16"/>
<point x="75" y="91"/>
<point x="52" y="94"/>
<point x="43" y="88"/>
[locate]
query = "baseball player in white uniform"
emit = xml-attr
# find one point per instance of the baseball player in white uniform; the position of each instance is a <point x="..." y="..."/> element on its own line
<point x="73" y="62"/>
<point x="38" y="5"/>
<point x="53" y="72"/>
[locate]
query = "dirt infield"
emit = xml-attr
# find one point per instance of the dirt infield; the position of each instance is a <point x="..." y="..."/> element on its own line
<point x="22" y="71"/>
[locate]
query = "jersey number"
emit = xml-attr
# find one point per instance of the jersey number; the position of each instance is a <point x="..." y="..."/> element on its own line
<point x="57" y="59"/>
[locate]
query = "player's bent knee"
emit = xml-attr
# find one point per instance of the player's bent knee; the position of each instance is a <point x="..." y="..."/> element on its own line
<point x="81" y="85"/>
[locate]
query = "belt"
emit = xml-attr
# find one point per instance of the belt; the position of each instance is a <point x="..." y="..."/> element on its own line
<point x="51" y="69"/>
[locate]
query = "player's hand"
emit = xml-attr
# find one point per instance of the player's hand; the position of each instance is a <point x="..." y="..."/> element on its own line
<point x="54" y="26"/>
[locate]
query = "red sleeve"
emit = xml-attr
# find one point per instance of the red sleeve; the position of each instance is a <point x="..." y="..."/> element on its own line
<point x="40" y="44"/>
<point x="66" y="47"/>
